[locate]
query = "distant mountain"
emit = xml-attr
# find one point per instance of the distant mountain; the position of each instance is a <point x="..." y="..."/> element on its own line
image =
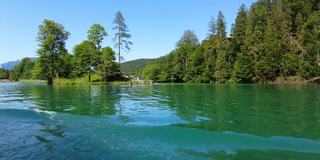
<point x="135" y="67"/>
<point x="10" y="65"/>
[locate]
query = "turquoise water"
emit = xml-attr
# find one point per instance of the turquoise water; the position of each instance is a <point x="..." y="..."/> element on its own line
<point x="178" y="122"/>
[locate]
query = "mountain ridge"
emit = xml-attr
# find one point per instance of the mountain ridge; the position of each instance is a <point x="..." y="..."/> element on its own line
<point x="10" y="64"/>
<point x="135" y="67"/>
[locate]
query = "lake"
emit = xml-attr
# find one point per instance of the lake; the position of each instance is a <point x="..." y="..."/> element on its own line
<point x="164" y="121"/>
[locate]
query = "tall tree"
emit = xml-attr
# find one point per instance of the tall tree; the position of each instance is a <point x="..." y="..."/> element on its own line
<point x="96" y="34"/>
<point x="243" y="70"/>
<point x="221" y="26"/>
<point x="255" y="38"/>
<point x="222" y="66"/>
<point x="212" y="27"/>
<point x="210" y="56"/>
<point x="188" y="38"/>
<point x="310" y="58"/>
<point x="239" y="30"/>
<point x="122" y="35"/>
<point x="275" y="39"/>
<point x="51" y="38"/>
<point x="276" y="42"/>
<point x="86" y="56"/>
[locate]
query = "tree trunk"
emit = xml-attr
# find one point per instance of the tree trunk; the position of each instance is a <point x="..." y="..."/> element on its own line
<point x="89" y="77"/>
<point x="119" y="38"/>
<point x="50" y="81"/>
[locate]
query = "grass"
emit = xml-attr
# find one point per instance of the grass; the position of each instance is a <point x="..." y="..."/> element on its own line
<point x="80" y="81"/>
<point x="95" y="80"/>
<point x="84" y="81"/>
<point x="31" y="80"/>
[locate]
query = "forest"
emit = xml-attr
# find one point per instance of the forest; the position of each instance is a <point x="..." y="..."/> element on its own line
<point x="274" y="39"/>
<point x="89" y="58"/>
<point x="269" y="42"/>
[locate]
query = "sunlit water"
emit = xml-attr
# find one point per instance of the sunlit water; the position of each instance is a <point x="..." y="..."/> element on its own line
<point x="178" y="122"/>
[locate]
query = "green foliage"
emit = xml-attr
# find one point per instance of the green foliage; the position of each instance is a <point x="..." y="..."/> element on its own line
<point x="107" y="69"/>
<point x="273" y="39"/>
<point x="96" y="34"/>
<point x="4" y="74"/>
<point x="239" y="30"/>
<point x="37" y="70"/>
<point x="243" y="71"/>
<point x="222" y="64"/>
<point x="212" y="27"/>
<point x="290" y="65"/>
<point x="51" y="38"/>
<point x="222" y="73"/>
<point x="221" y="25"/>
<point x="308" y="70"/>
<point x="152" y="72"/>
<point x="66" y="67"/>
<point x="77" y="80"/>
<point x="23" y="70"/>
<point x="89" y="58"/>
<point x="188" y="38"/>
<point x="85" y="60"/>
<point x="270" y="40"/>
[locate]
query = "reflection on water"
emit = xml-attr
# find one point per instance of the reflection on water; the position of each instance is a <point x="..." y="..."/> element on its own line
<point x="159" y="122"/>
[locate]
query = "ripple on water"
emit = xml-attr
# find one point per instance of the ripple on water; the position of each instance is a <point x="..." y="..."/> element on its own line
<point x="159" y="122"/>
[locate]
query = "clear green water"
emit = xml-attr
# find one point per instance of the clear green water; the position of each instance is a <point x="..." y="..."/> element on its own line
<point x="178" y="122"/>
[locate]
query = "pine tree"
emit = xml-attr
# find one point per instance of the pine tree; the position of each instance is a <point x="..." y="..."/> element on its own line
<point x="210" y="56"/>
<point x="239" y="30"/>
<point x="255" y="36"/>
<point x="222" y="66"/>
<point x="188" y="38"/>
<point x="311" y="43"/>
<point x="122" y="35"/>
<point x="222" y="73"/>
<point x="212" y="27"/>
<point x="243" y="70"/>
<point x="221" y="26"/>
<point x="276" y="39"/>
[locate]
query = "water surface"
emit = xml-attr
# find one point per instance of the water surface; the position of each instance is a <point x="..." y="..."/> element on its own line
<point x="182" y="121"/>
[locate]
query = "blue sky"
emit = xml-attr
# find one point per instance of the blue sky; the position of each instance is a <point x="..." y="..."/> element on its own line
<point x="155" y="25"/>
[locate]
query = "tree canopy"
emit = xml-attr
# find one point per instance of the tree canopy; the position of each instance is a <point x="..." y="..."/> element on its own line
<point x="96" y="34"/>
<point x="51" y="38"/>
<point x="53" y="61"/>
<point x="271" y="40"/>
<point x="188" y="38"/>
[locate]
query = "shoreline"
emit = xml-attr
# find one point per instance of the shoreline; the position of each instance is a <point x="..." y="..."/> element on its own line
<point x="5" y="81"/>
<point x="70" y="82"/>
